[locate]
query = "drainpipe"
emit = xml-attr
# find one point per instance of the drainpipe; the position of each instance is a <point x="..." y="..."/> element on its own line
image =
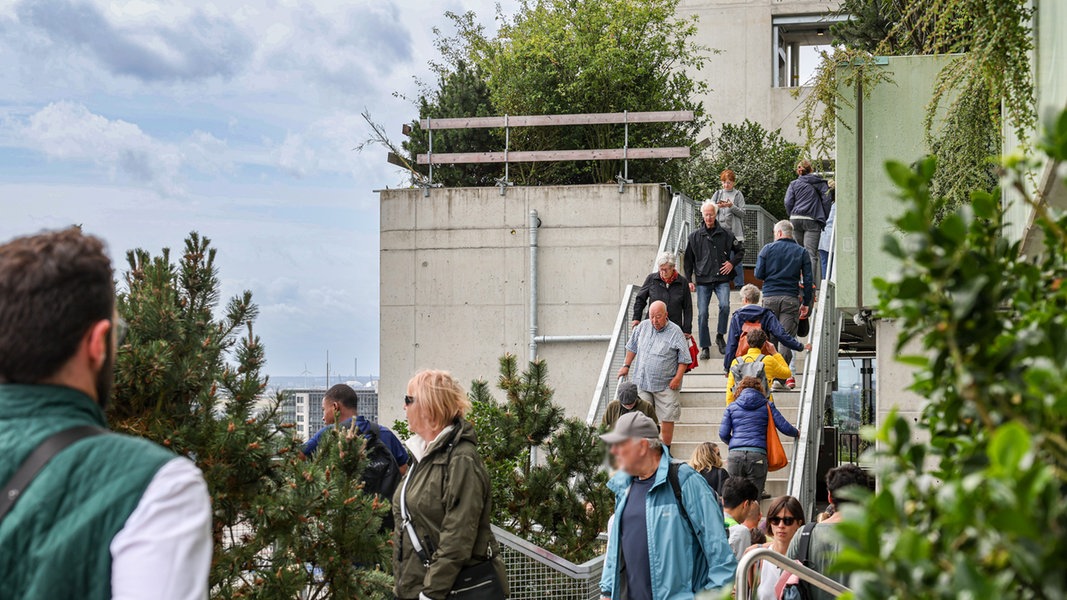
<point x="534" y="224"/>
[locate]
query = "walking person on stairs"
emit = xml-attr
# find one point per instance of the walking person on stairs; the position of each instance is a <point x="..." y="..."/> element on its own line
<point x="711" y="257"/>
<point x="744" y="429"/>
<point x="782" y="265"/>
<point x="662" y="356"/>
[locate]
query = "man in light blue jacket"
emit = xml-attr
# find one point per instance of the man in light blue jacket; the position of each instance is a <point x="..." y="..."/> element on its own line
<point x="668" y="541"/>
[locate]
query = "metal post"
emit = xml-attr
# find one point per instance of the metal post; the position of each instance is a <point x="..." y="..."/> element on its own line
<point x="505" y="183"/>
<point x="534" y="224"/>
<point x="429" y="157"/>
<point x="625" y="144"/>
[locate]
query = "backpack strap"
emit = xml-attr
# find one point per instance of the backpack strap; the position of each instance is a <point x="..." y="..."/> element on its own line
<point x="676" y="486"/>
<point x="36" y="461"/>
<point x="374" y="430"/>
<point x="804" y="545"/>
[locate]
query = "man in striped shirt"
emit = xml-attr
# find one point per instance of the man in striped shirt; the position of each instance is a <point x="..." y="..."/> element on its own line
<point x="662" y="354"/>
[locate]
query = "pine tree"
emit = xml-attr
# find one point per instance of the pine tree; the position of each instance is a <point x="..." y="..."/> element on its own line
<point x="193" y="382"/>
<point x="559" y="500"/>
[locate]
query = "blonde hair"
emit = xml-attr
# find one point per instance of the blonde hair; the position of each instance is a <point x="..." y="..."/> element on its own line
<point x="441" y="396"/>
<point x="706" y="457"/>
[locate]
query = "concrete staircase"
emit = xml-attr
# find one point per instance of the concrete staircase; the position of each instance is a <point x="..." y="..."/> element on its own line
<point x="703" y="400"/>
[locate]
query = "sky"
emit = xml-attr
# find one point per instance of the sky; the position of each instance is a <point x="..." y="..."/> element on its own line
<point x="142" y="121"/>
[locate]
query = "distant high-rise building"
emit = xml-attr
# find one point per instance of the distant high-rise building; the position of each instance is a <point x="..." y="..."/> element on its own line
<point x="303" y="407"/>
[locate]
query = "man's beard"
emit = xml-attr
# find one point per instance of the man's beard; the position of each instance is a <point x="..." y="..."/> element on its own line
<point x="105" y="378"/>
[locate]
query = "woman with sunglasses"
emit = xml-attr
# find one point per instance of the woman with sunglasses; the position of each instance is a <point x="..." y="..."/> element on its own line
<point x="785" y="517"/>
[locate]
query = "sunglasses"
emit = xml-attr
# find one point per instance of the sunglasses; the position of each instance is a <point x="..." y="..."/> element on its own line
<point x="408" y="400"/>
<point x="787" y="521"/>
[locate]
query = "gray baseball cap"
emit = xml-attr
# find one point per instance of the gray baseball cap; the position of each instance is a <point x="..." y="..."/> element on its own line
<point x="627" y="393"/>
<point x="632" y="425"/>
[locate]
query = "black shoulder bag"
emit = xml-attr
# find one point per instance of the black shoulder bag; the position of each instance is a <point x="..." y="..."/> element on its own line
<point x="51" y="446"/>
<point x="476" y="582"/>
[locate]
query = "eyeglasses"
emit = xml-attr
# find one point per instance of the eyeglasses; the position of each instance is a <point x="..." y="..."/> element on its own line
<point x="787" y="521"/>
<point x="409" y="400"/>
<point x="121" y="329"/>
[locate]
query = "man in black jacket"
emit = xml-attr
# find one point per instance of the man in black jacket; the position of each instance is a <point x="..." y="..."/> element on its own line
<point x="669" y="286"/>
<point x="710" y="259"/>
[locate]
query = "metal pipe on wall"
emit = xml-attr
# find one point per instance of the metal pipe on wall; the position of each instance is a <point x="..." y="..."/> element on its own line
<point x="556" y="339"/>
<point x="534" y="224"/>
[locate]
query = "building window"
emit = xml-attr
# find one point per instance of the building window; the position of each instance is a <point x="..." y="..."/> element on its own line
<point x="798" y="40"/>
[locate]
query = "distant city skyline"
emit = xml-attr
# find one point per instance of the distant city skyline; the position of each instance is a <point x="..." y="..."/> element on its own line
<point x="142" y="122"/>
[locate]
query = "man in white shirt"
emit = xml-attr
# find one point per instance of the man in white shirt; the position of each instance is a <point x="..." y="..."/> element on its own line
<point x="108" y="515"/>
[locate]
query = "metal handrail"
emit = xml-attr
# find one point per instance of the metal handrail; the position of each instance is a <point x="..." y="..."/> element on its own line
<point x="815" y="578"/>
<point x="819" y="375"/>
<point x="588" y="569"/>
<point x="605" y="391"/>
<point x="681" y="219"/>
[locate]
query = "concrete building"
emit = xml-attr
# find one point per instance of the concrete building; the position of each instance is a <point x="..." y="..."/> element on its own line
<point x="767" y="50"/>
<point x="303" y="407"/>
<point x="457" y="291"/>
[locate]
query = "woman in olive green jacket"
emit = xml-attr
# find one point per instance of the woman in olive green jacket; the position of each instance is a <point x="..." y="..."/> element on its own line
<point x="447" y="493"/>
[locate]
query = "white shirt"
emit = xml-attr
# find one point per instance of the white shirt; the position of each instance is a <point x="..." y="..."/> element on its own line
<point x="163" y="552"/>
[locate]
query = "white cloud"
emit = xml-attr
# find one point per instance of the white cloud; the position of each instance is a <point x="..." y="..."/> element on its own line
<point x="68" y="131"/>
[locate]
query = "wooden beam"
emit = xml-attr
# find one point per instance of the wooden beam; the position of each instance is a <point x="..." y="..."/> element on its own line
<point x="458" y="158"/>
<point x="667" y="116"/>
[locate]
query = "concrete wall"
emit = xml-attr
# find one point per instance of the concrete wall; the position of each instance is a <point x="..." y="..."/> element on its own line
<point x="455" y="274"/>
<point x="893" y="379"/>
<point x="892" y="129"/>
<point x="740" y="76"/>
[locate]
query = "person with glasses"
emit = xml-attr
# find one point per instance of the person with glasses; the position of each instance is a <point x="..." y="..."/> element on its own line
<point x="107" y="515"/>
<point x="785" y="517"/>
<point x="443" y="506"/>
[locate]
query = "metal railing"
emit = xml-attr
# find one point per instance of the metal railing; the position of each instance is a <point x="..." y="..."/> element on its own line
<point x="820" y="373"/>
<point x="750" y="560"/>
<point x="607" y="383"/>
<point x="759" y="231"/>
<point x="535" y="573"/>
<point x="682" y="218"/>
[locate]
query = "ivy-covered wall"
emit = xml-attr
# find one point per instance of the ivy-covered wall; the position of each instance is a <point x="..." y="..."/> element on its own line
<point x="891" y="129"/>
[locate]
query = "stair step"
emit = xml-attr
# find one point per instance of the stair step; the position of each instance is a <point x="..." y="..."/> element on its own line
<point x="688" y="399"/>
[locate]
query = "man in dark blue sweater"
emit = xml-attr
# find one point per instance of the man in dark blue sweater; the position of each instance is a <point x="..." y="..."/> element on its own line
<point x="781" y="265"/>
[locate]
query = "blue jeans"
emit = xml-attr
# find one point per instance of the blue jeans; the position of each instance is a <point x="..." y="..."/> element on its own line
<point x="739" y="276"/>
<point x="824" y="260"/>
<point x="704" y="292"/>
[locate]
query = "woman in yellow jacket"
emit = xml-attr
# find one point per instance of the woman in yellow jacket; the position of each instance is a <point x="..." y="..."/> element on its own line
<point x="774" y="366"/>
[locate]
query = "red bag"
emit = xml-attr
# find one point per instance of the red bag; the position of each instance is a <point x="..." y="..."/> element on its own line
<point x="693" y="352"/>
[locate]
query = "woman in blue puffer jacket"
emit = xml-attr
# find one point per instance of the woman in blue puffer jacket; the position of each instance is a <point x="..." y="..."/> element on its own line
<point x="744" y="429"/>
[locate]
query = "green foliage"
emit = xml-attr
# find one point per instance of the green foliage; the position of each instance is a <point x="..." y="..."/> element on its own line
<point x="565" y="57"/>
<point x="763" y="161"/>
<point x="192" y="381"/>
<point x="560" y="503"/>
<point x="989" y="81"/>
<point x="818" y="113"/>
<point x="461" y="92"/>
<point x="977" y="511"/>
<point x="964" y="149"/>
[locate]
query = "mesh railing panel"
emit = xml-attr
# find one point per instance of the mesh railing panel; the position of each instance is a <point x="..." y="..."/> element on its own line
<point x="759" y="231"/>
<point x="530" y="579"/>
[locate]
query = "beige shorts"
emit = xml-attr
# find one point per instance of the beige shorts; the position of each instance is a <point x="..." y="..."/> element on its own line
<point x="666" y="402"/>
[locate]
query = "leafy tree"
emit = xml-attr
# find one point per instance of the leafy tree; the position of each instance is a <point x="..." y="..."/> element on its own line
<point x="977" y="511"/>
<point x="763" y="161"/>
<point x="563" y="56"/>
<point x="192" y="381"/>
<point x="461" y="92"/>
<point x="559" y="501"/>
